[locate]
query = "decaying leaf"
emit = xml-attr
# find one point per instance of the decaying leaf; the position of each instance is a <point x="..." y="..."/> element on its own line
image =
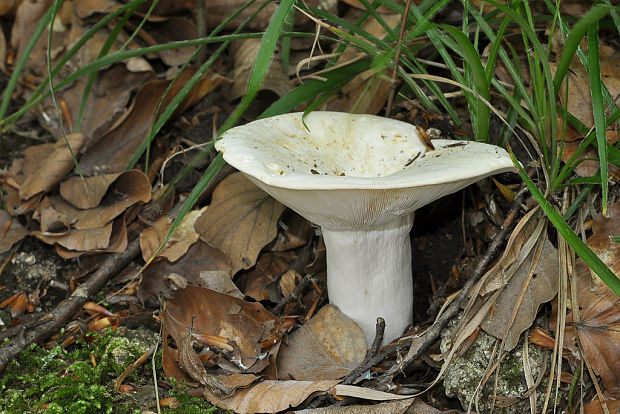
<point x="200" y="257"/>
<point x="411" y="406"/>
<point x="327" y="347"/>
<point x="241" y="220"/>
<point x="86" y="192"/>
<point x="130" y="188"/>
<point x="595" y="407"/>
<point x="542" y="287"/>
<point x="183" y="237"/>
<point x="112" y="152"/>
<point x="600" y="242"/>
<point x="244" y="327"/>
<point x="11" y="231"/>
<point x="53" y="168"/>
<point x="270" y="396"/>
<point x="255" y="282"/>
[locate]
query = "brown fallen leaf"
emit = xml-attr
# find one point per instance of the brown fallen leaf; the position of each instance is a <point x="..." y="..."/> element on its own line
<point x="18" y="304"/>
<point x="411" y="406"/>
<point x="106" y="104"/>
<point x="112" y="152"/>
<point x="86" y="192"/>
<point x="180" y="241"/>
<point x="600" y="242"/>
<point x="200" y="257"/>
<point x="241" y="220"/>
<point x="255" y="282"/>
<point x="327" y="347"/>
<point x="130" y="188"/>
<point x="243" y="324"/>
<point x="542" y="288"/>
<point x="368" y="92"/>
<point x="11" y="231"/>
<point x="595" y="407"/>
<point x="270" y="396"/>
<point x="56" y="164"/>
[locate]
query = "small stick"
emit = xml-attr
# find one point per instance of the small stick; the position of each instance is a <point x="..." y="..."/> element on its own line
<point x="59" y="316"/>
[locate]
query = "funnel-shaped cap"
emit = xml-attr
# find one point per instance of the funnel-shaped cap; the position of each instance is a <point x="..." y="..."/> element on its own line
<point x="347" y="172"/>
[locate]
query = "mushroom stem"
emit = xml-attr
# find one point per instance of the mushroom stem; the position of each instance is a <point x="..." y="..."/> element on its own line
<point x="369" y="275"/>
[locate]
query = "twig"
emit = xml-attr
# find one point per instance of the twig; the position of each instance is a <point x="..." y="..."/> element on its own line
<point x="296" y="293"/>
<point x="396" y="60"/>
<point x="372" y="353"/>
<point x="431" y="335"/>
<point x="50" y="323"/>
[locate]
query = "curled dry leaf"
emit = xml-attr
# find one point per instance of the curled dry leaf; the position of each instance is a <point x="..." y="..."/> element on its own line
<point x="11" y="231"/>
<point x="86" y="192"/>
<point x="270" y="396"/>
<point x="130" y="188"/>
<point x="241" y="220"/>
<point x="255" y="283"/>
<point x="53" y="168"/>
<point x="180" y="241"/>
<point x="244" y="325"/>
<point x="327" y="347"/>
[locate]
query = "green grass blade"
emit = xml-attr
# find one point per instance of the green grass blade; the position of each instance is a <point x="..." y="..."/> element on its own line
<point x="19" y="67"/>
<point x="305" y="92"/>
<point x="262" y="62"/>
<point x="598" y="110"/>
<point x="569" y="235"/>
<point x="480" y="85"/>
<point x="595" y="14"/>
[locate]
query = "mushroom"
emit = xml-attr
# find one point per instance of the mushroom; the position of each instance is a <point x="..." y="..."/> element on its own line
<point x="360" y="178"/>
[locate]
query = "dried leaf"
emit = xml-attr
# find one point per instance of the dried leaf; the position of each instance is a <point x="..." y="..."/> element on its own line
<point x="86" y="192"/>
<point x="327" y="347"/>
<point x="114" y="150"/>
<point x="599" y="332"/>
<point x="270" y="396"/>
<point x="180" y="241"/>
<point x="342" y="390"/>
<point x="200" y="257"/>
<point x="130" y="188"/>
<point x="391" y="407"/>
<point x="595" y="407"/>
<point x="11" y="231"/>
<point x="54" y="167"/>
<point x="600" y="242"/>
<point x="542" y="288"/>
<point x="255" y="282"/>
<point x="241" y="220"/>
<point x="244" y="325"/>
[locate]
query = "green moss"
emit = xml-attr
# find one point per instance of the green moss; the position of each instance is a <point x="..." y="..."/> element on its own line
<point x="65" y="381"/>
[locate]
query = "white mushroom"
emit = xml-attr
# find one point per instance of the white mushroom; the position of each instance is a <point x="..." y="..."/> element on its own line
<point x="360" y="178"/>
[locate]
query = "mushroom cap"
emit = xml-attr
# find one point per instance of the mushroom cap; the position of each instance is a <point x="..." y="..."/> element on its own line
<point x="349" y="171"/>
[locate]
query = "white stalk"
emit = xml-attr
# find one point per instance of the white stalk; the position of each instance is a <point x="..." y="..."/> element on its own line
<point x="369" y="275"/>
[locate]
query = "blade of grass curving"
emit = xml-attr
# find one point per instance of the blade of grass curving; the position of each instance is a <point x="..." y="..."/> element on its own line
<point x="582" y="249"/>
<point x="104" y="51"/>
<point x="120" y="56"/>
<point x="82" y="40"/>
<point x="19" y="66"/>
<point x="480" y="111"/>
<point x="598" y="109"/>
<point x="334" y="79"/>
<point x="596" y="13"/>
<point x="262" y="62"/>
<point x="159" y="120"/>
